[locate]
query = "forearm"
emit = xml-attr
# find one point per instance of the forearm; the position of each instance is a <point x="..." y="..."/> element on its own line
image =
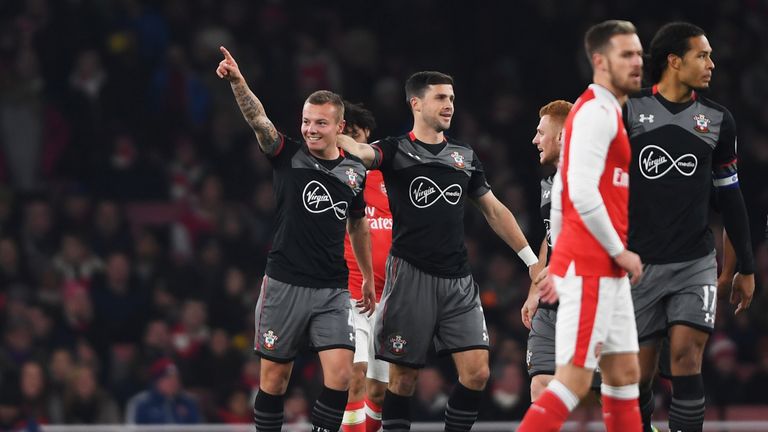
<point x="362" y="151"/>
<point x="736" y="223"/>
<point x="360" y="239"/>
<point x="256" y="117"/>
<point x="729" y="257"/>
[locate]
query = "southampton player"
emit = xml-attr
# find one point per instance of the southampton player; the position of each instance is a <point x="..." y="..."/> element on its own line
<point x="682" y="143"/>
<point x="589" y="263"/>
<point x="540" y="317"/>
<point x="430" y="295"/>
<point x="369" y="376"/>
<point x="319" y="193"/>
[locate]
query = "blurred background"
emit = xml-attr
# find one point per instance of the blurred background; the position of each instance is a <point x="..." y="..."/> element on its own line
<point x="136" y="210"/>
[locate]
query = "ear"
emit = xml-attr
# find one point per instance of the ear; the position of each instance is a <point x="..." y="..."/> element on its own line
<point x="598" y="61"/>
<point x="366" y="133"/>
<point x="340" y="128"/>
<point x="674" y="61"/>
<point x="415" y="103"/>
<point x="560" y="136"/>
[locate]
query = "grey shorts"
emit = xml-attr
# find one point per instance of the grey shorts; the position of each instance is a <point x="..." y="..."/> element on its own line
<point x="677" y="293"/>
<point x="418" y="308"/>
<point x="289" y="316"/>
<point x="540" y="355"/>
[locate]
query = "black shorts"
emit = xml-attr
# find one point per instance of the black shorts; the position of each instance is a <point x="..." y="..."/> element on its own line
<point x="418" y="308"/>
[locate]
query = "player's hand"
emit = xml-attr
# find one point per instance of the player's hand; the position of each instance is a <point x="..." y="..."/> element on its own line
<point x="742" y="291"/>
<point x="344" y="140"/>
<point x="529" y="308"/>
<point x="631" y="263"/>
<point x="724" y="285"/>
<point x="228" y="68"/>
<point x="547" y="291"/>
<point x="367" y="302"/>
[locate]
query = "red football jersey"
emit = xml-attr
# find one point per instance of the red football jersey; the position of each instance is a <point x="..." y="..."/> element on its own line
<point x="380" y="222"/>
<point x="605" y="134"/>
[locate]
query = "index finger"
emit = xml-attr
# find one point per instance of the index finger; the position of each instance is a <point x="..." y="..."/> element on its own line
<point x="226" y="53"/>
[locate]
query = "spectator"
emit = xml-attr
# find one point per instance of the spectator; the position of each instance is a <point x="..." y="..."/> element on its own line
<point x="165" y="401"/>
<point x="86" y="402"/>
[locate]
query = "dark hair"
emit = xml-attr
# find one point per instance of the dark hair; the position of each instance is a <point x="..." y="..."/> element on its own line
<point x="359" y="116"/>
<point x="322" y="97"/>
<point x="417" y="83"/>
<point x="599" y="35"/>
<point x="673" y="38"/>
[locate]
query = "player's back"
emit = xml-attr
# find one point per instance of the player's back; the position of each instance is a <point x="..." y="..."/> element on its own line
<point x="594" y="122"/>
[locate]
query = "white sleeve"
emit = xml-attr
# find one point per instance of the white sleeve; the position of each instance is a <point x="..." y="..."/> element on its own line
<point x="594" y="127"/>
<point x="556" y="209"/>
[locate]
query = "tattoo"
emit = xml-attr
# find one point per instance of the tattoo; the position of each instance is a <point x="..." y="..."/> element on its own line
<point x="254" y="114"/>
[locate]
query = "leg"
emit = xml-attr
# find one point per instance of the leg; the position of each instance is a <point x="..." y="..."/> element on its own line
<point x="354" y="413"/>
<point x="268" y="405"/>
<point x="464" y="404"/>
<point x="376" y="387"/>
<point x="649" y="360"/>
<point x="396" y="409"/>
<point x="328" y="411"/>
<point x="580" y="329"/>
<point x="686" y="412"/>
<point x="539" y="384"/>
<point x="620" y="374"/>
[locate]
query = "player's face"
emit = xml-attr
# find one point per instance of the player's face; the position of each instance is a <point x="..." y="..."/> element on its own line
<point x="696" y="67"/>
<point x="624" y="60"/>
<point x="436" y="107"/>
<point x="547" y="140"/>
<point x="357" y="133"/>
<point x="320" y="126"/>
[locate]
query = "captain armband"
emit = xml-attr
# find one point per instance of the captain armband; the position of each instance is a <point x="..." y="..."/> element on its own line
<point x="726" y="176"/>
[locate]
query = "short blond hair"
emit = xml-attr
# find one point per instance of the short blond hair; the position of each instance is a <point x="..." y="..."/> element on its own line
<point x="558" y="110"/>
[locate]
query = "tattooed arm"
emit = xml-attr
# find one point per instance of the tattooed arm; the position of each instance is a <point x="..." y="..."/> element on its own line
<point x="249" y="104"/>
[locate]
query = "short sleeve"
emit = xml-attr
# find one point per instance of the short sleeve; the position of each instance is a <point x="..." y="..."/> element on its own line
<point x="385" y="150"/>
<point x="478" y="184"/>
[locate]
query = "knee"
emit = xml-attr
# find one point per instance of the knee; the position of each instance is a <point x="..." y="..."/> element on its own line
<point x="476" y="378"/>
<point x="686" y="360"/>
<point x="357" y="384"/>
<point x="404" y="383"/>
<point x="538" y="385"/>
<point x="274" y="380"/>
<point x="342" y="377"/>
<point x="376" y="391"/>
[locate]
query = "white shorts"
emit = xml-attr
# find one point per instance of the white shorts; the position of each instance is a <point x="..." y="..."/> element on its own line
<point x="595" y="317"/>
<point x="364" y="353"/>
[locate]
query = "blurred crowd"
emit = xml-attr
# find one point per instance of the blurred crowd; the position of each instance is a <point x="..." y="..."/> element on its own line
<point x="136" y="210"/>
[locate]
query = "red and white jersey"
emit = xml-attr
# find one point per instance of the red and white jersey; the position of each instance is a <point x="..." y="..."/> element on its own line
<point x="380" y="222"/>
<point x="590" y="194"/>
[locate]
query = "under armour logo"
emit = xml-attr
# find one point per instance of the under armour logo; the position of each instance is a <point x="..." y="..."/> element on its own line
<point x="643" y="118"/>
<point x="485" y="336"/>
<point x="709" y="318"/>
<point x="351" y="337"/>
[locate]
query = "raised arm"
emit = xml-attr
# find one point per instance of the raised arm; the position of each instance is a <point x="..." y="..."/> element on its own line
<point x="249" y="104"/>
<point x="370" y="157"/>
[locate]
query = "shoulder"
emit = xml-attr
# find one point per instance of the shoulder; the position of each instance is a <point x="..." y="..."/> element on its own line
<point x="643" y="93"/>
<point x="709" y="103"/>
<point x="458" y="143"/>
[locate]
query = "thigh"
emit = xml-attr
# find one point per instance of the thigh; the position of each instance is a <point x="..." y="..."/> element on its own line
<point x="332" y="324"/>
<point x="622" y="330"/>
<point x="363" y="324"/>
<point x="460" y="319"/>
<point x="540" y="356"/>
<point x="694" y="301"/>
<point x="648" y="299"/>
<point x="405" y="326"/>
<point x="582" y="319"/>
<point x="377" y="369"/>
<point x="282" y="317"/>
